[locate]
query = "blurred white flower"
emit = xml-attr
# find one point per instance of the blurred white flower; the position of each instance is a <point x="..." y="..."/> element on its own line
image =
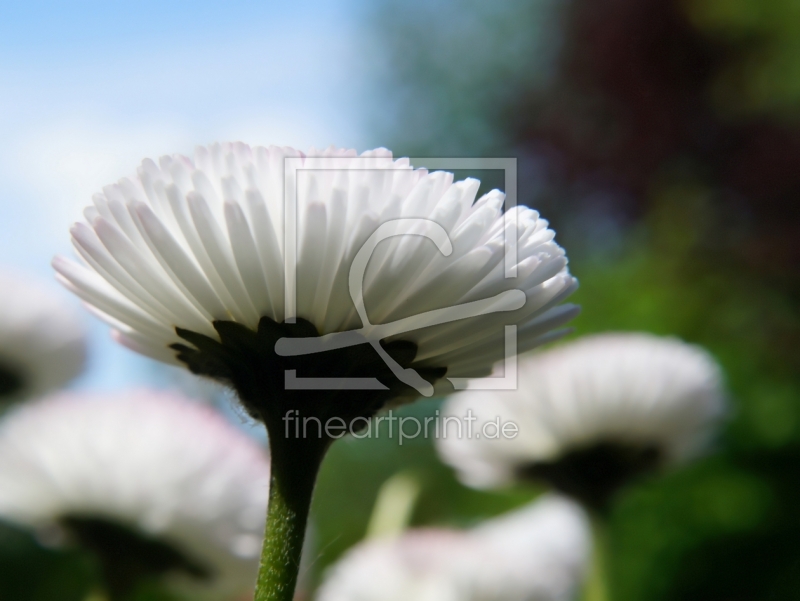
<point x="591" y="414"/>
<point x="42" y="345"/>
<point x="187" y="243"/>
<point x="154" y="484"/>
<point x="537" y="553"/>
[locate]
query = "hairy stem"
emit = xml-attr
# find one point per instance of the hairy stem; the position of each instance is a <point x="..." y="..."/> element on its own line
<point x="294" y="464"/>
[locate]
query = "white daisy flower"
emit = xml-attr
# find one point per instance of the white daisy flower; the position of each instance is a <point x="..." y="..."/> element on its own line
<point x="188" y="243"/>
<point x="537" y="553"/>
<point x="154" y="485"/>
<point x="591" y="415"/>
<point x="42" y="345"/>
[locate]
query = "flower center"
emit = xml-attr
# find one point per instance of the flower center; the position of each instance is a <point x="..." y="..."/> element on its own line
<point x="128" y="558"/>
<point x="247" y="361"/>
<point x="593" y="474"/>
<point x="11" y="380"/>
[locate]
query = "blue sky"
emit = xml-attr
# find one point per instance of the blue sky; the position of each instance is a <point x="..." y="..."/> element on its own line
<point x="90" y="88"/>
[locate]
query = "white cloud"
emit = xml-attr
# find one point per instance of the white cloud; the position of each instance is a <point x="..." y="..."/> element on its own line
<point x="71" y="128"/>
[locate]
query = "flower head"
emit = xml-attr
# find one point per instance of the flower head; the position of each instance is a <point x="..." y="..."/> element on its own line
<point x="537" y="553"/>
<point x="154" y="485"/>
<point x="188" y="262"/>
<point x="592" y="414"/>
<point x="42" y="342"/>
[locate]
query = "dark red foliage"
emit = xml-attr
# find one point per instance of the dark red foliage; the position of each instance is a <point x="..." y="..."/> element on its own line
<point x="631" y="106"/>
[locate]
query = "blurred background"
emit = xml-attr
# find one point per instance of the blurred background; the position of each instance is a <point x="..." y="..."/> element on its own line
<point x="661" y="138"/>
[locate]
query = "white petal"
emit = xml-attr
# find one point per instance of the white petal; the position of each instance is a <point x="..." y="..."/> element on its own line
<point x="178" y="265"/>
<point x="221" y="256"/>
<point x="247" y="260"/>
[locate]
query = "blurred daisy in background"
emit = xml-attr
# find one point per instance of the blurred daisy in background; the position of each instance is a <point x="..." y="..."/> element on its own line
<point x="42" y="339"/>
<point x="157" y="488"/>
<point x="592" y="415"/>
<point x="537" y="553"/>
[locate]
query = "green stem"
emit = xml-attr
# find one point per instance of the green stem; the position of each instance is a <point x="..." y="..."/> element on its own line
<point x="294" y="464"/>
<point x="596" y="586"/>
<point x="394" y="506"/>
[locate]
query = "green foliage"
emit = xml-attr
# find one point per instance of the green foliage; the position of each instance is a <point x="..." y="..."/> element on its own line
<point x="765" y="76"/>
<point x="29" y="572"/>
<point x="32" y="572"/>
